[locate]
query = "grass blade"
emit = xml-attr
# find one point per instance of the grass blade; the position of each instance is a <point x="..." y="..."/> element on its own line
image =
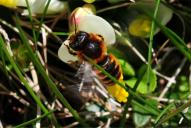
<point x="50" y="83"/>
<point x="34" y="120"/>
<point x="174" y="112"/>
<point x="19" y="73"/>
<point x="175" y="39"/>
<point x="151" y="41"/>
<point x="163" y="112"/>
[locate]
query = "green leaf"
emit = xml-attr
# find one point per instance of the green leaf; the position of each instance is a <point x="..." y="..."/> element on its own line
<point x="144" y="87"/>
<point x="126" y="68"/>
<point x="137" y="108"/>
<point x="183" y="84"/>
<point x="140" y="119"/>
<point x="145" y="108"/>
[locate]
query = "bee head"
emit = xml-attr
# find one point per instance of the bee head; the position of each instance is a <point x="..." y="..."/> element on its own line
<point x="78" y="40"/>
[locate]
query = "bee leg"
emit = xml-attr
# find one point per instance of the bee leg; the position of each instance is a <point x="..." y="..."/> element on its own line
<point x="71" y="51"/>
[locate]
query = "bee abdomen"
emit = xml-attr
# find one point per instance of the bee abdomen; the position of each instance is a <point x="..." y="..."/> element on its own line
<point x="110" y="65"/>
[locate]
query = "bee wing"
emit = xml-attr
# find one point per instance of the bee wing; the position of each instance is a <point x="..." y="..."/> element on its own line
<point x="86" y="75"/>
<point x="85" y="83"/>
<point x="70" y="87"/>
<point x="85" y="86"/>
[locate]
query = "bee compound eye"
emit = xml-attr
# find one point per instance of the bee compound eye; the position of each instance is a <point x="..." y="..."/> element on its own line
<point x="79" y="41"/>
<point x="81" y="36"/>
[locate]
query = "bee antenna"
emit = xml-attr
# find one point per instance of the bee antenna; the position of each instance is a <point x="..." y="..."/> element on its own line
<point x="75" y="24"/>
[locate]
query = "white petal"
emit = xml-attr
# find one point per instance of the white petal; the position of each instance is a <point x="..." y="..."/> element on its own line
<point x="38" y="7"/>
<point x="24" y="4"/>
<point x="64" y="55"/>
<point x="98" y="25"/>
<point x="57" y="6"/>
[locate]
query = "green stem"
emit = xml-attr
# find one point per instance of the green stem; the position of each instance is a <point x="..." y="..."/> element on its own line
<point x="151" y="41"/>
<point x="31" y="20"/>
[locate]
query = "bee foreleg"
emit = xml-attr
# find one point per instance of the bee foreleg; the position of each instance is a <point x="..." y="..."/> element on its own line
<point x="66" y="43"/>
<point x="71" y="51"/>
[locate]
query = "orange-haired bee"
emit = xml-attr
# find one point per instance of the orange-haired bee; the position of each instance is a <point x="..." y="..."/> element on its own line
<point x="93" y="46"/>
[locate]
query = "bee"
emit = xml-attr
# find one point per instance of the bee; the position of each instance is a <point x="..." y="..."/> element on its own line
<point x="93" y="46"/>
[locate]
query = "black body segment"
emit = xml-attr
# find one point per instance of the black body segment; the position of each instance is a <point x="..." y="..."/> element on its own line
<point x="110" y="65"/>
<point x="92" y="49"/>
<point x="90" y="45"/>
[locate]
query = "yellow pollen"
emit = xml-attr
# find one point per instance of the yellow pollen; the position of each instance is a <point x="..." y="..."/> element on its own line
<point x="8" y="3"/>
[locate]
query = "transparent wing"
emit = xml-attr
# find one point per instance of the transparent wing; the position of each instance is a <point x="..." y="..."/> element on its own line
<point x="85" y="86"/>
<point x="81" y="83"/>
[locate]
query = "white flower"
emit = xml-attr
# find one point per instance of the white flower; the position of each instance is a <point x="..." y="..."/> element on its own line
<point x="88" y="22"/>
<point x="38" y="6"/>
